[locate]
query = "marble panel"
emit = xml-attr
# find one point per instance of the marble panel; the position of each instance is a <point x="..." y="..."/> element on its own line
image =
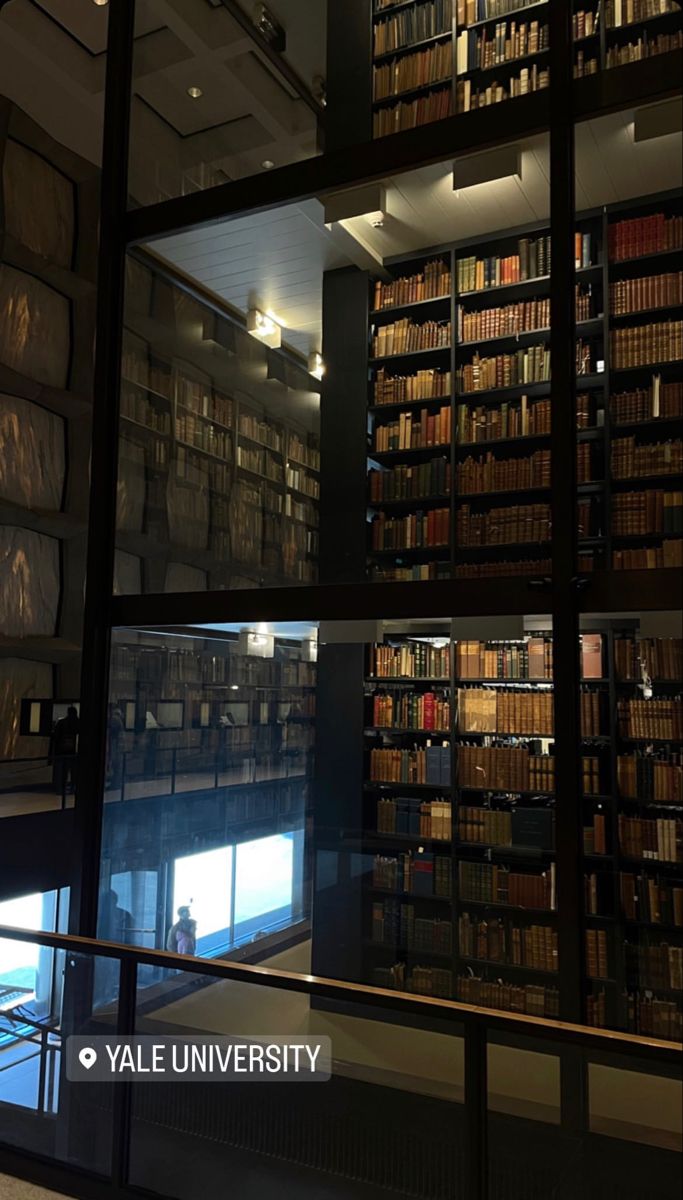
<point x="20" y="680"/>
<point x="29" y="583"/>
<point x="32" y="454"/>
<point x="35" y="328"/>
<point x="39" y="204"/>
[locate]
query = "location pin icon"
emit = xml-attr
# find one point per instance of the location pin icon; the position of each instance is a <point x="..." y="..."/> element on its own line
<point x="87" y="1057"/>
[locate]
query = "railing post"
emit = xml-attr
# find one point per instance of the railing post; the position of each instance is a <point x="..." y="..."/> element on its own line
<point x="123" y="1092"/>
<point x="476" y="1111"/>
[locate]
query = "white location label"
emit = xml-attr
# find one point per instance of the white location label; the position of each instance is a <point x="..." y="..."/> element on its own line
<point x="87" y="1057"/>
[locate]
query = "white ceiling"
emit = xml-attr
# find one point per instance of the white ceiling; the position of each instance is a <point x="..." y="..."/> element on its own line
<point x="275" y="260"/>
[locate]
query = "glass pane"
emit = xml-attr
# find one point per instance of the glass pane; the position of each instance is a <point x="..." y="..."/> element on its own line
<point x="529" y="1153"/>
<point x="390" y="1121"/>
<point x="45" y="997"/>
<point x="222" y="91"/>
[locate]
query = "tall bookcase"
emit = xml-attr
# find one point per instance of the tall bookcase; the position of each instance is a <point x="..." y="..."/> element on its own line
<point x="454" y="888"/>
<point x="459" y="482"/>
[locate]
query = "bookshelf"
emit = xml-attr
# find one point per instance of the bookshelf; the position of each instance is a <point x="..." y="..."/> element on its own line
<point x="434" y="58"/>
<point x="225" y="486"/>
<point x="460" y="402"/>
<point x="458" y="891"/>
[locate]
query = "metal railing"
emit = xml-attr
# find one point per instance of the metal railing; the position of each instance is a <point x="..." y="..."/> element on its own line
<point x="477" y="1027"/>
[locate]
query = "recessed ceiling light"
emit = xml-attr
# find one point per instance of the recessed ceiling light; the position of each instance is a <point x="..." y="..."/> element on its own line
<point x="267" y="164"/>
<point x="195" y="92"/>
<point x="100" y="3"/>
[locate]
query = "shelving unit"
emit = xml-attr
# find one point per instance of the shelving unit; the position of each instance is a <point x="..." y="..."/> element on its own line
<point x="248" y="484"/>
<point x="451" y="476"/>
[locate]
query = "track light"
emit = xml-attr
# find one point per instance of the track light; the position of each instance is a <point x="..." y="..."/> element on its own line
<point x="264" y="328"/>
<point x="316" y="365"/>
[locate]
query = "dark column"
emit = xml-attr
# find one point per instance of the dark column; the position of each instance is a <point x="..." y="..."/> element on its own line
<point x="348" y="119"/>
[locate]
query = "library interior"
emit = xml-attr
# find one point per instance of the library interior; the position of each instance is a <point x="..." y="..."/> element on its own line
<point x="341" y="561"/>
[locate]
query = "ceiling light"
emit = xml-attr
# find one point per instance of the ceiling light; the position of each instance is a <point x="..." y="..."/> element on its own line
<point x="368" y="202"/>
<point x="264" y="328"/>
<point x="270" y="29"/>
<point x="492" y="165"/>
<point x="316" y="365"/>
<point x="195" y="92"/>
<point x="267" y="164"/>
<point x="100" y="3"/>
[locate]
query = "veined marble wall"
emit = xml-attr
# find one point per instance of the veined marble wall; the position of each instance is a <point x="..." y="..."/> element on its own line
<point x="32" y="455"/>
<point x="20" y="679"/>
<point x="182" y="578"/>
<point x="39" y="204"/>
<point x="35" y="328"/>
<point x="29" y="583"/>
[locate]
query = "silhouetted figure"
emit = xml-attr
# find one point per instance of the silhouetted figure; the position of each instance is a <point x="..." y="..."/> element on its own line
<point x="115" y="923"/>
<point x="63" y="749"/>
<point x="182" y="937"/>
<point x="115" y="731"/>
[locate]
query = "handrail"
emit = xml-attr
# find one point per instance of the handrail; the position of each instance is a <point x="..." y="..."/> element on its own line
<point x="586" y="1036"/>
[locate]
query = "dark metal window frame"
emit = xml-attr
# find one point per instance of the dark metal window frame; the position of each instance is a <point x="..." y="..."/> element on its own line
<point x="564" y="595"/>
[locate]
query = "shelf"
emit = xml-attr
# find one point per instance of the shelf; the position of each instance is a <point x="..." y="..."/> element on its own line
<point x="511" y="792"/>
<point x="503" y="905"/>
<point x="509" y="492"/>
<point x="440" y="552"/>
<point x="513" y="15"/>
<point x="395" y="455"/>
<point x="406" y="732"/>
<point x="628" y="28"/>
<point x="617" y="264"/>
<point x="374" y="785"/>
<point x="404" y="839"/>
<point x="490" y="963"/>
<point x="226" y="462"/>
<point x="401" y="404"/>
<point x="246" y="437"/>
<point x="386" y="55"/>
<point x="387" y="358"/>
<point x="506" y="441"/>
<point x="461" y="733"/>
<point x="157" y="433"/>
<point x="409" y="505"/>
<point x="510" y="63"/>
<point x="667" y="367"/>
<point x="655" y="311"/>
<point x="495" y="290"/>
<point x="407" y="681"/>
<point x="651" y="424"/>
<point x="395" y="947"/>
<point x="202" y="417"/>
<point x="142" y="387"/>
<point x="507" y="547"/>
<point x="379" y="14"/>
<point x="674" y="478"/>
<point x="380" y="891"/>
<point x="514" y="391"/>
<point x="376" y="313"/>
<point x="502" y="851"/>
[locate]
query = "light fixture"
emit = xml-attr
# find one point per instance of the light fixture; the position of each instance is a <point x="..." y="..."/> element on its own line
<point x="100" y="3"/>
<point x="263" y="327"/>
<point x="369" y="202"/>
<point x="267" y="164"/>
<point x="194" y="92"/>
<point x="316" y="365"/>
<point x="504" y="163"/>
<point x="270" y="29"/>
<point x="234" y="687"/>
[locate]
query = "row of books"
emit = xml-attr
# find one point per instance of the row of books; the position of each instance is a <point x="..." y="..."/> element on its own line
<point x="403" y="389"/>
<point x="648" y="291"/>
<point x="596" y="954"/>
<point x="137" y="407"/>
<point x="258" y="430"/>
<point x="529" y="365"/>
<point x="505" y="768"/>
<point x="654" y="779"/>
<point x="652" y="1017"/>
<point x="260" y="462"/>
<point x="415" y="431"/>
<point x="500" y="43"/>
<point x="647" y="46"/>
<point x="655" y="966"/>
<point x="491" y="474"/>
<point x="244" y="669"/>
<point x="410" y="114"/>
<point x="650" y="899"/>
<point x="668" y="556"/>
<point x="584" y="24"/>
<point x="595" y="836"/>
<point x="530" y="998"/>
<point x="412" y="573"/>
<point x="653" y="511"/>
<point x="594" y="886"/>
<point x="433" y="281"/>
<point x="584" y="463"/>
<point x="585" y="63"/>
<point x="487" y="883"/>
<point x="627" y="12"/>
<point x="395" y="924"/>
<point x="500" y="940"/>
<point x="413" y="24"/>
<point x="531" y="260"/>
<point x="532" y="659"/>
<point x="660" y="400"/>
<point x="306" y="453"/>
<point x="469" y="12"/>
<point x="419" y="874"/>
<point x="524" y="827"/>
<point x="661" y="658"/>
<point x="431" y="765"/>
<point x="202" y="435"/>
<point x="405" y="337"/>
<point x="411" y="483"/>
<point x="522" y="418"/>
<point x="421" y="981"/>
<point x="631" y="459"/>
<point x="493" y="710"/>
<point x="503" y="526"/>
<point x="302" y="481"/>
<point x="590" y="775"/>
<point x="416" y="531"/>
<point x="426" y="67"/>
<point x="591" y="714"/>
<point x="660" y="839"/>
<point x="661" y="719"/>
<point x="416" y="818"/>
<point x="146" y="369"/>
<point x="410" y="660"/>
<point x="412" y="710"/>
<point x="510" y="319"/>
<point x="637" y="236"/>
